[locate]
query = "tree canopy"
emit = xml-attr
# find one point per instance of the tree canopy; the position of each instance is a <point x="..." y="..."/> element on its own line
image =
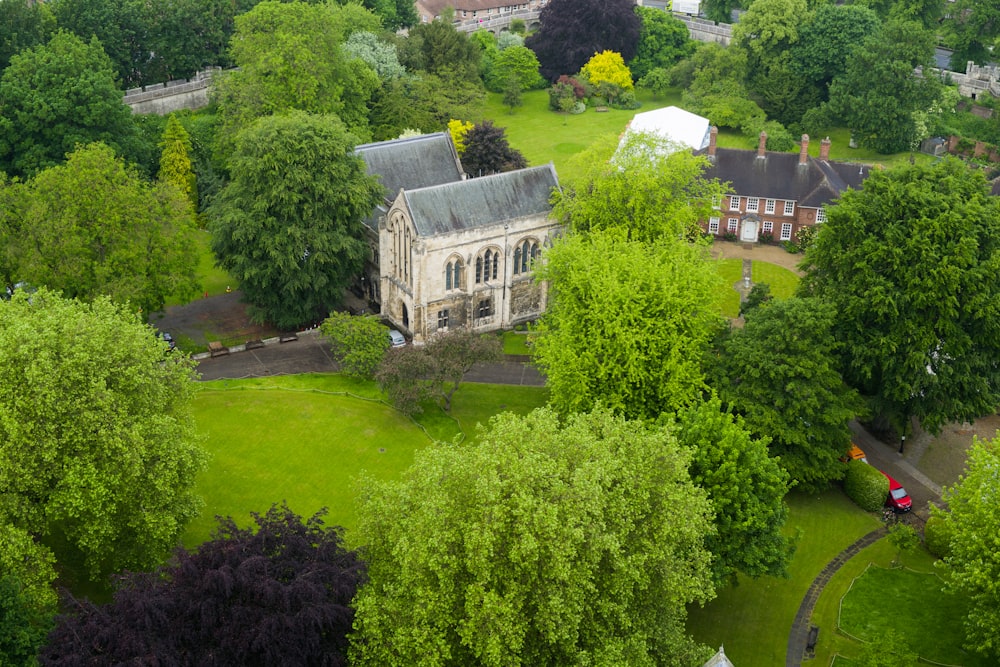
<point x="358" y="343"/>
<point x="627" y="323"/>
<point x="574" y="30"/>
<point x="973" y="562"/>
<point x="541" y="544"/>
<point x="911" y="265"/>
<point x="23" y="24"/>
<point x="877" y="95"/>
<point x="93" y="227"/>
<point x="277" y="593"/>
<point x="643" y="189"/>
<point x="176" y="167"/>
<point x="413" y="374"/>
<point x="828" y="41"/>
<point x="780" y="373"/>
<point x="294" y="242"/>
<point x="97" y="442"/>
<point x="747" y="489"/>
<point x="663" y="40"/>
<point x="486" y="151"/>
<point x="290" y="57"/>
<point x="54" y="97"/>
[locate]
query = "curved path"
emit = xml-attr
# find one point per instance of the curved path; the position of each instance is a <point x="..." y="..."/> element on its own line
<point x="800" y="626"/>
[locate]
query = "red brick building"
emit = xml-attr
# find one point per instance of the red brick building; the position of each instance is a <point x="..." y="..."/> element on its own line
<point x="773" y="193"/>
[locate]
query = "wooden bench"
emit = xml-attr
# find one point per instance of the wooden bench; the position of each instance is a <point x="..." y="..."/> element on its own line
<point x="812" y="639"/>
<point x="288" y="337"/>
<point x="217" y="349"/>
<point x="254" y="344"/>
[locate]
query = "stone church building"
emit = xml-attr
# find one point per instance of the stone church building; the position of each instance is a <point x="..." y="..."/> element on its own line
<point x="454" y="252"/>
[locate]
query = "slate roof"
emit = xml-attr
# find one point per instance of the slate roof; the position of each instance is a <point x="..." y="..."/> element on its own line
<point x="780" y="176"/>
<point x="480" y="202"/>
<point x="414" y="162"/>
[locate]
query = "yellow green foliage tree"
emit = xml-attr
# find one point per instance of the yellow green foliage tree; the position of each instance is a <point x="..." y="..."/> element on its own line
<point x="458" y="131"/>
<point x="608" y="67"/>
<point x="175" y="160"/>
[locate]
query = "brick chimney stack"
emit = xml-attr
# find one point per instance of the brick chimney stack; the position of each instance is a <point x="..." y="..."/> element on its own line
<point x="824" y="149"/>
<point x="804" y="150"/>
<point x="713" y="135"/>
<point x="762" y="146"/>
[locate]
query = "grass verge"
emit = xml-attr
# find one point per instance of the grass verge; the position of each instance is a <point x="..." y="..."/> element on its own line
<point x="782" y="281"/>
<point x="908" y="599"/>
<point x="753" y="619"/>
<point x="305" y="438"/>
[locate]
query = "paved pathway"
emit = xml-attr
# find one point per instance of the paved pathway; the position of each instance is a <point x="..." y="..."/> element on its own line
<point x="311" y="354"/>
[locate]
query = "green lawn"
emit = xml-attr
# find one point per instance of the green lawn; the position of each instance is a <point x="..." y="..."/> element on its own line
<point x="913" y="604"/>
<point x="304" y="438"/>
<point x="545" y="136"/>
<point x="211" y="279"/>
<point x="731" y="271"/>
<point x="515" y="342"/>
<point x="782" y="281"/>
<point x="753" y="619"/>
<point x="929" y="619"/>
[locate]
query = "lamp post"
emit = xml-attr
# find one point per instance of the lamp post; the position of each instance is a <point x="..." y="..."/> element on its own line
<point x="902" y="441"/>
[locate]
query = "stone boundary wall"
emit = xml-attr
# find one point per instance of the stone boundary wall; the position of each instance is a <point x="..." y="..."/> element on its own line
<point x="703" y="30"/>
<point x="496" y="24"/>
<point x="163" y="98"/>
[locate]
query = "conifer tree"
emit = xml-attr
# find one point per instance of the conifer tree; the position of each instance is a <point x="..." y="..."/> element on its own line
<point x="175" y="160"/>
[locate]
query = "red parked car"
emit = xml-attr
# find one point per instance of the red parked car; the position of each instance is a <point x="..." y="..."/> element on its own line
<point x="897" y="499"/>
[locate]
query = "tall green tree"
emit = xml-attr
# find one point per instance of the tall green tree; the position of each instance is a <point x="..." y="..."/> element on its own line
<point x="380" y="55"/>
<point x="911" y="265"/>
<point x="288" y="226"/>
<point x="395" y="14"/>
<point x="97" y="441"/>
<point x="11" y="237"/>
<point x="23" y="25"/>
<point x="541" y="544"/>
<point x="827" y="42"/>
<point x="780" y="373"/>
<point x="56" y="96"/>
<point x="878" y="95"/>
<point x="188" y="35"/>
<point x="438" y="48"/>
<point x="641" y="188"/>
<point x="290" y="57"/>
<point x="663" y="40"/>
<point x="976" y="25"/>
<point x="176" y="167"/>
<point x="973" y="564"/>
<point x="357" y="343"/>
<point x="121" y="26"/>
<point x="747" y="489"/>
<point x="93" y="227"/>
<point x="514" y="61"/>
<point x="627" y="324"/>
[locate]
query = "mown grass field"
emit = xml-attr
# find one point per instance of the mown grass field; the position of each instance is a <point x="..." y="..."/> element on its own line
<point x="304" y="439"/>
<point x="752" y="619"/>
<point x="869" y="596"/>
